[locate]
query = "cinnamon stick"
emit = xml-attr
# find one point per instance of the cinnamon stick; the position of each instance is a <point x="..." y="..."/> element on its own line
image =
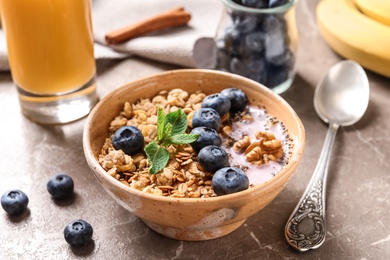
<point x="171" y="18"/>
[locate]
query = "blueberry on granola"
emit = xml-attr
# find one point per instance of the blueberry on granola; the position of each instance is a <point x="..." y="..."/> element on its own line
<point x="206" y="117"/>
<point x="213" y="158"/>
<point x="218" y="102"/>
<point x="78" y="233"/>
<point x="237" y="97"/>
<point x="207" y="136"/>
<point x="129" y="139"/>
<point x="229" y="180"/>
<point x="60" y="186"/>
<point x="14" y="201"/>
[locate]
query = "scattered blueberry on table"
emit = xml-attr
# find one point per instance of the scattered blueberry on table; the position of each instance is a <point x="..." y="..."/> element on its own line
<point x="78" y="233"/>
<point x="129" y="139"/>
<point x="229" y="180"/>
<point x="14" y="202"/>
<point x="60" y="186"/>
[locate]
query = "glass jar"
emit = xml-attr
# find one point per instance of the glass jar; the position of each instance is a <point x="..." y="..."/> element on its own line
<point x="260" y="44"/>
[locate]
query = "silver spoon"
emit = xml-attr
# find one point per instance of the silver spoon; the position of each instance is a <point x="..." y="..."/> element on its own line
<point x="340" y="99"/>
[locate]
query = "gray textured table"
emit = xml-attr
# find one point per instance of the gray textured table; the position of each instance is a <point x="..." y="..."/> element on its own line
<point x="358" y="196"/>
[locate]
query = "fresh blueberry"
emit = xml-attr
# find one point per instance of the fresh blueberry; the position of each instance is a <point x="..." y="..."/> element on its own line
<point x="206" y="117"/>
<point x="60" y="186"/>
<point x="237" y="97"/>
<point x="276" y="75"/>
<point x="233" y="40"/>
<point x="276" y="49"/>
<point x="128" y="139"/>
<point x="213" y="158"/>
<point x="255" y="41"/>
<point x="14" y="201"/>
<point x="272" y="23"/>
<point x="275" y="3"/>
<point x="238" y="66"/>
<point x="78" y="233"/>
<point x="245" y="23"/>
<point x="207" y="136"/>
<point x="229" y="180"/>
<point x="260" y="77"/>
<point x="256" y="63"/>
<point x="255" y="3"/>
<point x="218" y="102"/>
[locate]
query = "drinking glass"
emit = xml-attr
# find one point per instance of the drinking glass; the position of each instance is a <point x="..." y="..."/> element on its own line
<point x="51" y="57"/>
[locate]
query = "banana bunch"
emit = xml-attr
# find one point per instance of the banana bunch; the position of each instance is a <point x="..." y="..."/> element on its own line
<point x="358" y="30"/>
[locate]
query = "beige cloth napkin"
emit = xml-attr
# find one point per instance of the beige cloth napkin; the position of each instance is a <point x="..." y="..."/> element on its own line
<point x="187" y="46"/>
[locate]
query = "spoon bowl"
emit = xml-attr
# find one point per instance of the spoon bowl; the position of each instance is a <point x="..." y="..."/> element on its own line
<point x="341" y="96"/>
<point x="340" y="99"/>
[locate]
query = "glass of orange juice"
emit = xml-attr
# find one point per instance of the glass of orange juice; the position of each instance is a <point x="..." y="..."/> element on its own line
<point x="50" y="49"/>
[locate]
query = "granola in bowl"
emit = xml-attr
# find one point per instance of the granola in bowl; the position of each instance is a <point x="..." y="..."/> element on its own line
<point x="256" y="142"/>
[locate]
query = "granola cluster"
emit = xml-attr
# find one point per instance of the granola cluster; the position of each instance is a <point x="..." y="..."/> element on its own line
<point x="183" y="176"/>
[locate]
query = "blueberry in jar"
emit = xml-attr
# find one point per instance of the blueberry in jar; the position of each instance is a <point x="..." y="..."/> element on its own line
<point x="238" y="67"/>
<point x="275" y="3"/>
<point x="245" y="23"/>
<point x="14" y="202"/>
<point x="233" y="40"/>
<point x="60" y="186"/>
<point x="276" y="51"/>
<point x="237" y="97"/>
<point x="207" y="136"/>
<point x="272" y="22"/>
<point x="78" y="233"/>
<point x="255" y="3"/>
<point x="277" y="75"/>
<point x="129" y="139"/>
<point x="229" y="180"/>
<point x="218" y="102"/>
<point x="206" y="117"/>
<point x="213" y="158"/>
<point x="257" y="68"/>
<point x="255" y="41"/>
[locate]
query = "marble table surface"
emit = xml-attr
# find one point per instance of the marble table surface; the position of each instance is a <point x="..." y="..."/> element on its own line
<point x="358" y="197"/>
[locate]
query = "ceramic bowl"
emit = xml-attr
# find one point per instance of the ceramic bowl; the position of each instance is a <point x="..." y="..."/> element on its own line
<point x="190" y="218"/>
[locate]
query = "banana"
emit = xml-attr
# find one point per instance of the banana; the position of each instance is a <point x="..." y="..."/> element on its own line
<point x="354" y="35"/>
<point x="376" y="9"/>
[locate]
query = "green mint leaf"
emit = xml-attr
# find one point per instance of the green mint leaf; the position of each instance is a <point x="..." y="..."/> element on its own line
<point x="171" y="129"/>
<point x="167" y="130"/>
<point x="178" y="120"/>
<point x="158" y="157"/>
<point x="183" y="138"/>
<point x="160" y="123"/>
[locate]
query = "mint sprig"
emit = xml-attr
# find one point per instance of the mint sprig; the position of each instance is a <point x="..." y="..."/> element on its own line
<point x="170" y="130"/>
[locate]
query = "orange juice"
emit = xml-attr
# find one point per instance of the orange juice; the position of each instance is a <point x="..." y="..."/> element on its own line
<point x="50" y="44"/>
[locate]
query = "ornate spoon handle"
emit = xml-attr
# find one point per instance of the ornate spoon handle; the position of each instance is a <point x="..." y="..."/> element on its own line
<point x="306" y="227"/>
